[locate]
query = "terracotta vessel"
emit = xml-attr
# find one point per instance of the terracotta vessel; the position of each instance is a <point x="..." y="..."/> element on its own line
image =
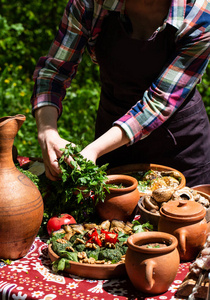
<point x="205" y="188"/>
<point x="21" y="203"/>
<point x="152" y="270"/>
<point x="147" y="216"/>
<point x="185" y="220"/>
<point x="92" y="271"/>
<point x="120" y="203"/>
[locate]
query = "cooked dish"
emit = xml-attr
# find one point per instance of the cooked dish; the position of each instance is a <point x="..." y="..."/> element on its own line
<point x="90" y="243"/>
<point x="154" y="201"/>
<point x="152" y="180"/>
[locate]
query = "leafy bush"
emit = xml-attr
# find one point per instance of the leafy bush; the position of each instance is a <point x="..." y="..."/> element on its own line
<point x="27" y="30"/>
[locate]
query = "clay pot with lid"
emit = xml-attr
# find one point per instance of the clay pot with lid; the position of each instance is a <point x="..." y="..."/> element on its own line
<point x="185" y="220"/>
<point x="147" y="266"/>
<point x="21" y="203"/>
<point x="121" y="201"/>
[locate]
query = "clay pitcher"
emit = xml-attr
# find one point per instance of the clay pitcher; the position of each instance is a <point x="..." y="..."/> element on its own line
<point x="21" y="204"/>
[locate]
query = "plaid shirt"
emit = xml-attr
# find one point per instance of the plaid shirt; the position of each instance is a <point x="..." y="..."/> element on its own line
<point x="80" y="26"/>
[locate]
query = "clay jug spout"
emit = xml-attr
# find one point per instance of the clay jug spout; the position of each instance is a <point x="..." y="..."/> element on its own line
<point x="6" y="122"/>
<point x="9" y="127"/>
<point x="20" y="119"/>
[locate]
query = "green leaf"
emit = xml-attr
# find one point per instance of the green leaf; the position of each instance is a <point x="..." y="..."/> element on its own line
<point x="70" y="255"/>
<point x="60" y="264"/>
<point x="138" y="227"/>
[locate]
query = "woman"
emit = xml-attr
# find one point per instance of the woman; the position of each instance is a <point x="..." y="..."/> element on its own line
<point x="151" y="54"/>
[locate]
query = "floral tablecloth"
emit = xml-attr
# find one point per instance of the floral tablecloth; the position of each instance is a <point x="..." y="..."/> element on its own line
<point x="31" y="277"/>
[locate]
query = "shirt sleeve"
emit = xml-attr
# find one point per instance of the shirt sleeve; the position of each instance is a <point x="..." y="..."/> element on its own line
<point x="54" y="72"/>
<point x="177" y="79"/>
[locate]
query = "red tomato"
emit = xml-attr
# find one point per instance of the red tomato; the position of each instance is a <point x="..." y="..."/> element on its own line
<point x="56" y="222"/>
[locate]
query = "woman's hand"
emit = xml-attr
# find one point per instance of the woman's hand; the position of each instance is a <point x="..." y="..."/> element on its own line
<point x="50" y="141"/>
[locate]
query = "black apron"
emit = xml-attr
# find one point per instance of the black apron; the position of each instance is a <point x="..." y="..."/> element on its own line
<point x="127" y="68"/>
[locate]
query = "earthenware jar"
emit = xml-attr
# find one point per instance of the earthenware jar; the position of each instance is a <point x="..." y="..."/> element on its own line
<point x="121" y="200"/>
<point x="152" y="261"/>
<point x="21" y="203"/>
<point x="186" y="220"/>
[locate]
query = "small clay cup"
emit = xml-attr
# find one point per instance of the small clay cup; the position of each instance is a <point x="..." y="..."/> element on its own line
<point x="152" y="270"/>
<point x="185" y="220"/>
<point x="121" y="202"/>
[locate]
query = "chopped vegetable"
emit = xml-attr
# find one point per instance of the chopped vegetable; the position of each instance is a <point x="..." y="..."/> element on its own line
<point x="56" y="222"/>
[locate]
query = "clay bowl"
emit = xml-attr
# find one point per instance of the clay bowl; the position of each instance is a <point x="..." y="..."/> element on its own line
<point x="92" y="271"/>
<point x="207" y="196"/>
<point x="153" y="218"/>
<point x="205" y="188"/>
<point x="134" y="168"/>
<point x="146" y="215"/>
<point x="121" y="201"/>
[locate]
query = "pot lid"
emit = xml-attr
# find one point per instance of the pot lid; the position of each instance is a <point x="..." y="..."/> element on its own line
<point x="181" y="209"/>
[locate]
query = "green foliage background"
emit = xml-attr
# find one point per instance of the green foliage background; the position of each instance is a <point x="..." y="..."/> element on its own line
<point x="27" y="29"/>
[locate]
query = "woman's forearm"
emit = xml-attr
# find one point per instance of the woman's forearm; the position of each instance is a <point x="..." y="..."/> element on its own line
<point x="114" y="138"/>
<point x="46" y="119"/>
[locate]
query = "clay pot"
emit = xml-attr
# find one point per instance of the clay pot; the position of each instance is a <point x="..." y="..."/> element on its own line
<point x="21" y="203"/>
<point x="146" y="215"/>
<point x="185" y="220"/>
<point x="152" y="270"/>
<point x="120" y="203"/>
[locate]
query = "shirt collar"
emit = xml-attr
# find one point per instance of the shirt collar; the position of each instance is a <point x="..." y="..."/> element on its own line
<point x="175" y="16"/>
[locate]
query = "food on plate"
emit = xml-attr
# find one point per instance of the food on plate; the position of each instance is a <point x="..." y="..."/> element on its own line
<point x="152" y="180"/>
<point x="163" y="194"/>
<point x="89" y="243"/>
<point x="154" y="201"/>
<point x="56" y="222"/>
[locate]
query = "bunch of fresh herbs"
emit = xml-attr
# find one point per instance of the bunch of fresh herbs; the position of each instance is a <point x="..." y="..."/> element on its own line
<point x="83" y="176"/>
<point x="77" y="192"/>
